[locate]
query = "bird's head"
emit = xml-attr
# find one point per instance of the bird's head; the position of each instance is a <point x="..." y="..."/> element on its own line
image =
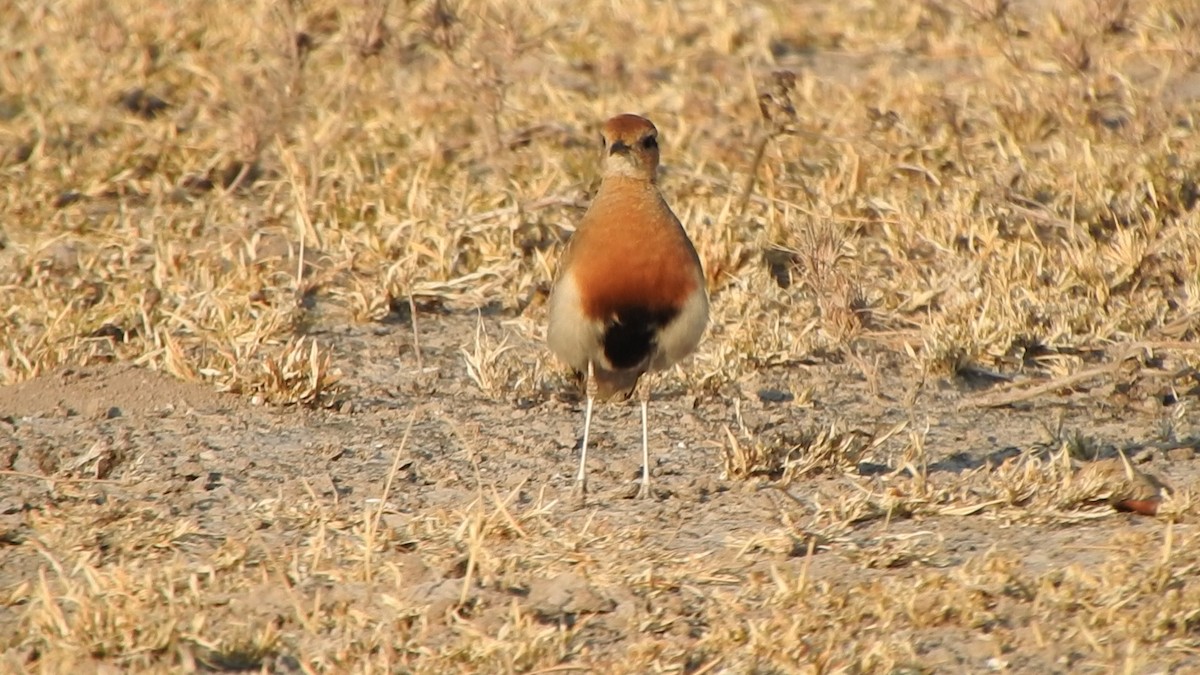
<point x="630" y="147"/>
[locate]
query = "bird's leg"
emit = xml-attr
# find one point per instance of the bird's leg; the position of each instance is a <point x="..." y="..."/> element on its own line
<point x="643" y="388"/>
<point x="589" y="388"/>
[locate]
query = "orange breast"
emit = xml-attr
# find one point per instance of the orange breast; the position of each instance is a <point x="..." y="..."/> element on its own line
<point x="637" y="258"/>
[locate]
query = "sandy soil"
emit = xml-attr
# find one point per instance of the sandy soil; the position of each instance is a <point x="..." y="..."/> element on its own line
<point x="174" y="451"/>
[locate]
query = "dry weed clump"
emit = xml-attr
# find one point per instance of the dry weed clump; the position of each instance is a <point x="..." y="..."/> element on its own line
<point x="787" y="455"/>
<point x="300" y="373"/>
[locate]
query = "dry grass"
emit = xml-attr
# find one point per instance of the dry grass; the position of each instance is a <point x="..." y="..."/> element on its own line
<point x="994" y="191"/>
<point x="1008" y="189"/>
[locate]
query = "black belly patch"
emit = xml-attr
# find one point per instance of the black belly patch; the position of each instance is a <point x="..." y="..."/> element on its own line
<point x="632" y="335"/>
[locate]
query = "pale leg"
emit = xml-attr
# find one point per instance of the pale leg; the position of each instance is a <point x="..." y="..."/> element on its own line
<point x="589" y="388"/>
<point x="644" y="396"/>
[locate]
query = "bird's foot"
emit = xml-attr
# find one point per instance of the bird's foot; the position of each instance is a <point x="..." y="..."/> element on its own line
<point x="644" y="491"/>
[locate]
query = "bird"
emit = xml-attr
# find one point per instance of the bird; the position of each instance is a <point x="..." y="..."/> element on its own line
<point x="629" y="294"/>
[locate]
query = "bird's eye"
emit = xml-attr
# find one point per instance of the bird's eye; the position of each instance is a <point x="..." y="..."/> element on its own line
<point x="649" y="142"/>
<point x="603" y="142"/>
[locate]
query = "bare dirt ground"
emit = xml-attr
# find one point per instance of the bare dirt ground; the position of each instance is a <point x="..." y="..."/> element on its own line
<point x="436" y="514"/>
<point x="274" y="394"/>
